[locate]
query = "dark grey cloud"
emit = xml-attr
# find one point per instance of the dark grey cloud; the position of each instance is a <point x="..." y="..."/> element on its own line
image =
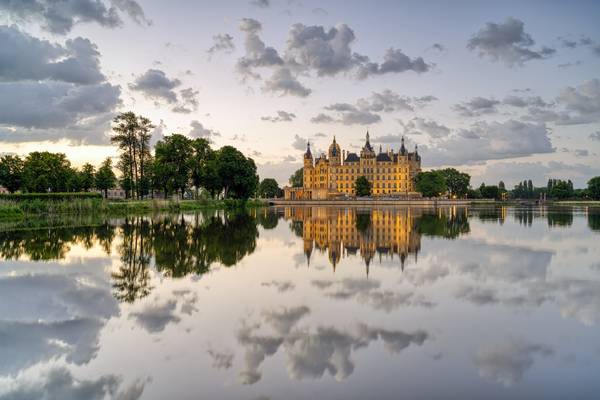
<point x="477" y="106"/>
<point x="285" y="83"/>
<point x="59" y="17"/>
<point x="570" y="64"/>
<point x="299" y="143"/>
<point x="188" y="102"/>
<point x="257" y="53"/>
<point x="438" y="47"/>
<point x="222" y="43"/>
<point x="155" y="84"/>
<point x="394" y="61"/>
<point x="520" y="101"/>
<point x="37" y="111"/>
<point x="199" y="131"/>
<point x="595" y="136"/>
<point x="352" y="115"/>
<point x="282" y="116"/>
<point x="506" y="363"/>
<point x="59" y="383"/>
<point x="24" y="57"/>
<point x="507" y="42"/>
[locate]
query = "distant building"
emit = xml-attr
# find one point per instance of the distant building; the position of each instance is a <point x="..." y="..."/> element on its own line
<point x="328" y="177"/>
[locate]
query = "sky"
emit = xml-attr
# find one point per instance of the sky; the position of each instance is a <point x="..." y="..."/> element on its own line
<point x="502" y="90"/>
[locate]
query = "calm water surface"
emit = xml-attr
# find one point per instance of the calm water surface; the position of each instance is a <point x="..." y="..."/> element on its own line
<point x="304" y="303"/>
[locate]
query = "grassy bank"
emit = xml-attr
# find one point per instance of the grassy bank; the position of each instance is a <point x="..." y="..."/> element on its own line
<point x="18" y="209"/>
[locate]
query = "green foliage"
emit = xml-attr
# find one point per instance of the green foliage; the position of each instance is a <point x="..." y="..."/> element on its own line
<point x="50" y="196"/>
<point x="362" y="186"/>
<point x="593" y="189"/>
<point x="45" y="171"/>
<point x="269" y="188"/>
<point x="457" y="183"/>
<point x="105" y="177"/>
<point x="490" y="192"/>
<point x="87" y="177"/>
<point x="561" y="190"/>
<point x="363" y="222"/>
<point x="297" y="178"/>
<point x="11" y="171"/>
<point x="237" y="173"/>
<point x="431" y="183"/>
<point x="173" y="163"/>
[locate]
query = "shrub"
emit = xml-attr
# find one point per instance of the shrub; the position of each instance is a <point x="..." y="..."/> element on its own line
<point x="50" y="196"/>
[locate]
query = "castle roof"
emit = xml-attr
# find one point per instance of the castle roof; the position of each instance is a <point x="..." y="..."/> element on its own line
<point x="383" y="157"/>
<point x="352" y="157"/>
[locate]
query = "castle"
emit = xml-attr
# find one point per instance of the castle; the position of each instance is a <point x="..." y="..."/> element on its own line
<point x="333" y="176"/>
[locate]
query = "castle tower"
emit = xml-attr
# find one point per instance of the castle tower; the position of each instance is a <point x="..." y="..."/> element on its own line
<point x="308" y="171"/>
<point x="334" y="154"/>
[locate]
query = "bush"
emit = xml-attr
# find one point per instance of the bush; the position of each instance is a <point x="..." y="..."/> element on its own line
<point x="50" y="196"/>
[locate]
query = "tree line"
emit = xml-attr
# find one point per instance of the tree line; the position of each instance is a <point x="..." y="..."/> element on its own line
<point x="176" y="165"/>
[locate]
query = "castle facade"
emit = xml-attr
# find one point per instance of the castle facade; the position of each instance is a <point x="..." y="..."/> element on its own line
<point x="334" y="175"/>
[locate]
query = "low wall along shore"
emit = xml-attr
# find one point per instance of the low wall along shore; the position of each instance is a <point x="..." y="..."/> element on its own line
<point x="376" y="202"/>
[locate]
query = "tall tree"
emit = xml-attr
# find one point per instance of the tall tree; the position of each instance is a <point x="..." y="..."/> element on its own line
<point x="124" y="136"/>
<point x="594" y="188"/>
<point x="269" y="188"/>
<point x="143" y="135"/>
<point x="105" y="177"/>
<point x="11" y="171"/>
<point x="173" y="157"/>
<point x="430" y="183"/>
<point x="456" y="182"/>
<point x="236" y="172"/>
<point x="43" y="171"/>
<point x="87" y="177"/>
<point x="201" y="155"/>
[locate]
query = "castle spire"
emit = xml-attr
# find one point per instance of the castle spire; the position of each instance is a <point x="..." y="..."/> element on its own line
<point x="402" y="148"/>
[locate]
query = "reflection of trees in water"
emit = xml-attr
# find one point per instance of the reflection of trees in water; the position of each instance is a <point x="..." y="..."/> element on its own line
<point x="441" y="225"/>
<point x="53" y="243"/>
<point x="558" y="217"/>
<point x="132" y="280"/>
<point x="594" y="219"/>
<point x="267" y="218"/>
<point x="525" y="215"/>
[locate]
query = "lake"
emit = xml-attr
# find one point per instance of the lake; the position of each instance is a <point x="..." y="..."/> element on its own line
<point x="304" y="303"/>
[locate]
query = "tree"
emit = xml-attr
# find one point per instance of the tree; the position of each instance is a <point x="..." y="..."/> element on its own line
<point x="430" y="183"/>
<point x="11" y="171"/>
<point x="489" y="192"/>
<point x="501" y="185"/>
<point x="560" y="190"/>
<point x="362" y="186"/>
<point x="43" y="171"/>
<point x="105" y="177"/>
<point x="173" y="163"/>
<point x="297" y="178"/>
<point x="236" y="172"/>
<point x="86" y="177"/>
<point x="457" y="182"/>
<point x="594" y="188"/>
<point x="269" y="188"/>
<point x="201" y="155"/>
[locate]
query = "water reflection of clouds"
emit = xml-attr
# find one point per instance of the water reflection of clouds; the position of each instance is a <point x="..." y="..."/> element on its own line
<point x="312" y="352"/>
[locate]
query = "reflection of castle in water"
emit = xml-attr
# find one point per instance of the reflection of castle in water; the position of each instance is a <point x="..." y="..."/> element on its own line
<point x="346" y="232"/>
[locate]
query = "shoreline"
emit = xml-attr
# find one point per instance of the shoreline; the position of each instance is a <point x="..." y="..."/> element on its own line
<point x="429" y="202"/>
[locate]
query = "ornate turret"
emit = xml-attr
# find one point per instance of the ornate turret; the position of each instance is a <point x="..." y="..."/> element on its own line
<point x="367" y="150"/>
<point x="308" y="158"/>
<point x="335" y="153"/>
<point x="402" y="148"/>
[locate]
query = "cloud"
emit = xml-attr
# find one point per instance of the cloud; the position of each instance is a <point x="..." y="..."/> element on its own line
<point x="582" y="101"/>
<point x="282" y="116"/>
<point x="281" y="286"/>
<point x="519" y="101"/>
<point x="34" y="111"/>
<point x="493" y="141"/>
<point x="299" y="143"/>
<point x="188" y="102"/>
<point x="24" y="57"/>
<point x="284" y="319"/>
<point x="60" y="17"/>
<point x="222" y="43"/>
<point x="257" y="53"/>
<point x="438" y="47"/>
<point x="506" y="363"/>
<point x="595" y="136"/>
<point x="155" y="316"/>
<point x="418" y="126"/>
<point x="322" y="119"/>
<point x="507" y="42"/>
<point x="261" y="3"/>
<point x="155" y="84"/>
<point x="394" y="61"/>
<point x="221" y="360"/>
<point x="199" y="131"/>
<point x="283" y="82"/>
<point x="59" y="383"/>
<point x="352" y="115"/>
<point x="477" y="106"/>
<point x="368" y="292"/>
